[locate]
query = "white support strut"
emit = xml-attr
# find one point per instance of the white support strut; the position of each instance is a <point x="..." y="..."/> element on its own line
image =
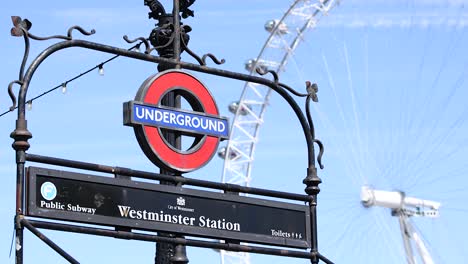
<point x="404" y="207"/>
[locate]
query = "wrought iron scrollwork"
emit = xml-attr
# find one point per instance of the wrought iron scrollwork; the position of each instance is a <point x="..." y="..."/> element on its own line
<point x="158" y="10"/>
<point x="184" y="8"/>
<point x="12" y="94"/>
<point x="202" y="60"/>
<point x="263" y="71"/>
<point x="81" y="30"/>
<point x="21" y="28"/>
<point x="213" y="58"/>
<point x="321" y="150"/>
<point x="163" y="36"/>
<point x="142" y="40"/>
<point x="312" y="90"/>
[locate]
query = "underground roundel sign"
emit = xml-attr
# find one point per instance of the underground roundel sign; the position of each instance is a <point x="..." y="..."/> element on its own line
<point x="180" y="136"/>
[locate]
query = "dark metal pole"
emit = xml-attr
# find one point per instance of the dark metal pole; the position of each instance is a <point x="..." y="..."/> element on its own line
<point x="176" y="44"/>
<point x="21" y="136"/>
<point x="19" y="205"/>
<point x="167" y="253"/>
<point x="313" y="223"/>
<point x="180" y="253"/>
<point x="312" y="181"/>
<point x="19" y="240"/>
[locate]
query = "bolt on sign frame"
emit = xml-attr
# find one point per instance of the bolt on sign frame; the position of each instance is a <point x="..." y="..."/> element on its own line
<point x="169" y="57"/>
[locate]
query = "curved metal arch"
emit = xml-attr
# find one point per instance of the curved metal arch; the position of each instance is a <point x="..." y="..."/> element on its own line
<point x="277" y="87"/>
<point x="21" y="135"/>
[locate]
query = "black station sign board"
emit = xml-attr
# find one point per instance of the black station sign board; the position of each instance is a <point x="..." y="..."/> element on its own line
<point x="115" y="202"/>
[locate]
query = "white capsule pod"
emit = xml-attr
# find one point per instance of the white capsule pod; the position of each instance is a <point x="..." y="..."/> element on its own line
<point x="371" y="197"/>
<point x="232" y="154"/>
<point x="273" y="24"/>
<point x="235" y="105"/>
<point x="252" y="64"/>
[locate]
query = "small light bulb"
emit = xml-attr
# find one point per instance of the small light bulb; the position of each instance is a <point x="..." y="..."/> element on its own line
<point x="101" y="70"/>
<point x="64" y="88"/>
<point x="29" y="105"/>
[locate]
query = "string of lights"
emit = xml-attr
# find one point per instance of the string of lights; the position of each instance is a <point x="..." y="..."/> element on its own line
<point x="63" y="85"/>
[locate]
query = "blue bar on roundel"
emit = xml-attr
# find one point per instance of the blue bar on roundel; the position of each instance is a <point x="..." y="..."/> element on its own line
<point x="192" y="122"/>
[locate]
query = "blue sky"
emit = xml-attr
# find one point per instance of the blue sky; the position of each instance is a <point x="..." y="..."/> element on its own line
<point x="392" y="114"/>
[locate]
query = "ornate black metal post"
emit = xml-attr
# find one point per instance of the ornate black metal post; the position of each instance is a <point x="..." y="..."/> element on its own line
<point x="21" y="135"/>
<point x="312" y="180"/>
<point x="179" y="254"/>
<point x="20" y="145"/>
<point x="167" y="38"/>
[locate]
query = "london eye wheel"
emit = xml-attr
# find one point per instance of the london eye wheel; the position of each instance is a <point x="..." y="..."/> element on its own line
<point x="286" y="33"/>
<point x="393" y="116"/>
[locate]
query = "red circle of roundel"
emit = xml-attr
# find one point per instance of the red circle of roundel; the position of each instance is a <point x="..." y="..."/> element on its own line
<point x="150" y="139"/>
